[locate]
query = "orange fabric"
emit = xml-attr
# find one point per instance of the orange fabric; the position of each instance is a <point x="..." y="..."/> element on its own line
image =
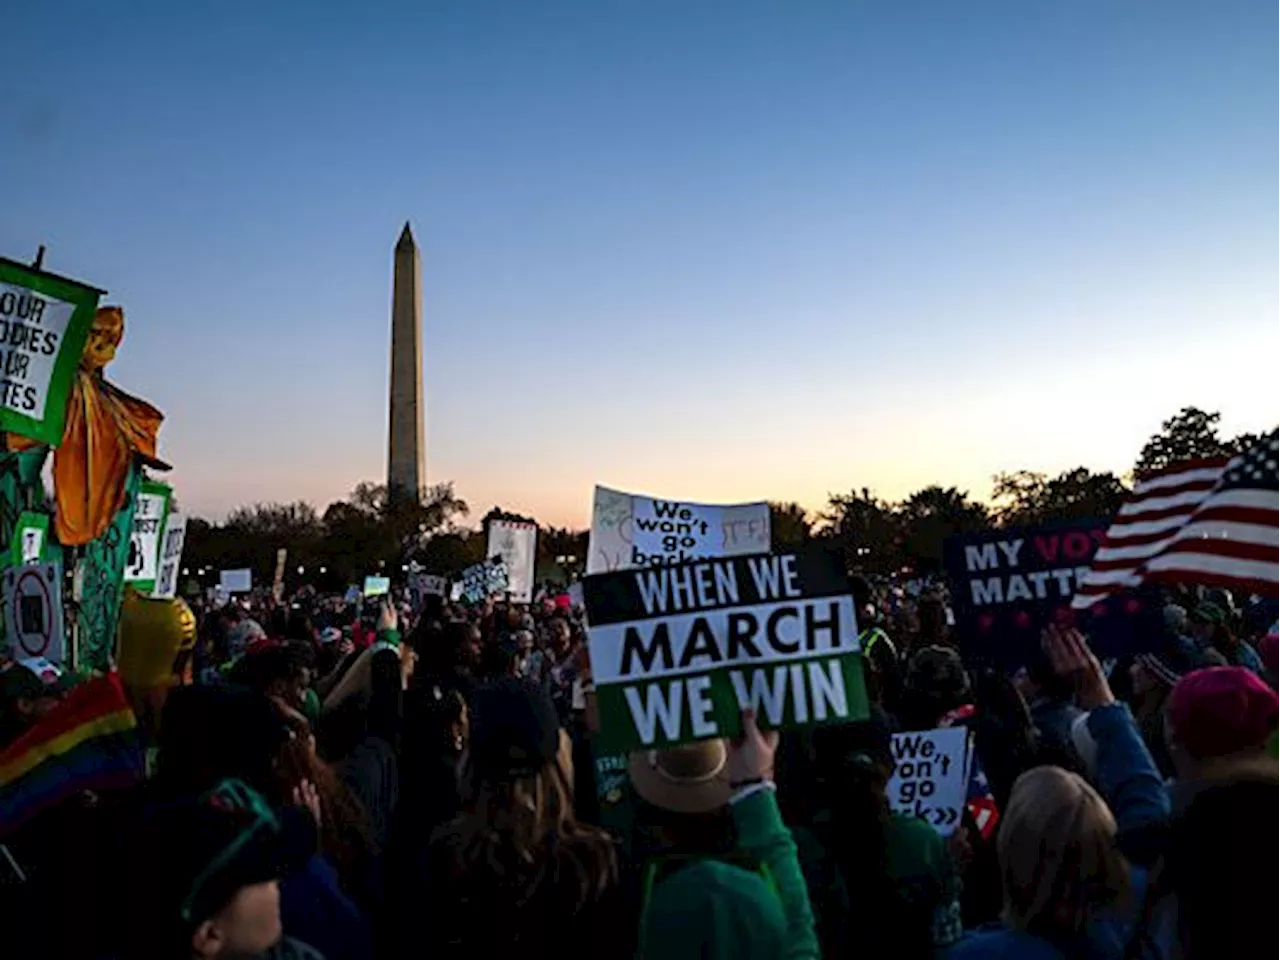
<point x="105" y="429"/>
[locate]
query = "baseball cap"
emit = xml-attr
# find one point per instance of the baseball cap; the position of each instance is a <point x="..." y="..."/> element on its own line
<point x="1220" y="711"/>
<point x="199" y="851"/>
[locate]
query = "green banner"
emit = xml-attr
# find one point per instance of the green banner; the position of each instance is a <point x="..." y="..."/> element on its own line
<point x="798" y="693"/>
<point x="30" y="539"/>
<point x="100" y="576"/>
<point x="151" y="509"/>
<point x="44" y="323"/>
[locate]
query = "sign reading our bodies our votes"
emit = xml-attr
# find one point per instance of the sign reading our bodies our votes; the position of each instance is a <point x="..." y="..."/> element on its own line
<point x="677" y="652"/>
<point x="44" y="323"/>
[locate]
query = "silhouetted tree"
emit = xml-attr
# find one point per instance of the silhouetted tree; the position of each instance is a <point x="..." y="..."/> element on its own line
<point x="789" y="526"/>
<point x="929" y="516"/>
<point x="864" y="528"/>
<point x="1024" y="498"/>
<point x="1190" y="434"/>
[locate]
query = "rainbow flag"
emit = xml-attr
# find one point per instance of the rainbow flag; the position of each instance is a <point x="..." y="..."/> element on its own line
<point x="89" y="741"/>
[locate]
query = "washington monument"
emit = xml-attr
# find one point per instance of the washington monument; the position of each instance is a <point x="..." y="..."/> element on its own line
<point x="406" y="452"/>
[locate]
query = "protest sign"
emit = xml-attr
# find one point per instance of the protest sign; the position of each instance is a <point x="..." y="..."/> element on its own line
<point x="930" y="778"/>
<point x="377" y="586"/>
<point x="44" y="323"/>
<point x="480" y="581"/>
<point x="175" y="536"/>
<point x="352" y="595"/>
<point x="149" y="513"/>
<point x="235" y="581"/>
<point x="678" y="651"/>
<point x="516" y="543"/>
<point x="628" y="530"/>
<point x="30" y="534"/>
<point x="277" y="578"/>
<point x="424" y="585"/>
<point x="33" y="611"/>
<point x="1007" y="585"/>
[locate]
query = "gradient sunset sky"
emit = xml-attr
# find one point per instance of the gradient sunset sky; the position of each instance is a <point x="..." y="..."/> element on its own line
<point x="713" y="250"/>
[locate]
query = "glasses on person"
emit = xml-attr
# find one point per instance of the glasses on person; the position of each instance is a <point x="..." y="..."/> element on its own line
<point x="231" y="796"/>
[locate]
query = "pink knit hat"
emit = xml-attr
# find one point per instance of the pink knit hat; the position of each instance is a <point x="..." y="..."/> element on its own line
<point x="1219" y="711"/>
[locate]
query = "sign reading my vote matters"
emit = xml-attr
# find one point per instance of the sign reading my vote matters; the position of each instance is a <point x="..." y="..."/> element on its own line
<point x="1006" y="585"/>
<point x="678" y="651"/>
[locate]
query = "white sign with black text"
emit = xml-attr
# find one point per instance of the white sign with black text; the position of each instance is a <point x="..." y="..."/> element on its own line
<point x="929" y="777"/>
<point x="175" y="535"/>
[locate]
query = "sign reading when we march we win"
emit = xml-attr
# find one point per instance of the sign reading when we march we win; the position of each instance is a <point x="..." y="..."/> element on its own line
<point x="678" y="651"/>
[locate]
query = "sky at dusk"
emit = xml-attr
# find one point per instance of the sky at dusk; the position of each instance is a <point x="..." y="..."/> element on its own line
<point x="711" y="250"/>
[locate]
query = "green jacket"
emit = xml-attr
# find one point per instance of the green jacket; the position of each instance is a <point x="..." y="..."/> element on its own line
<point x="715" y="909"/>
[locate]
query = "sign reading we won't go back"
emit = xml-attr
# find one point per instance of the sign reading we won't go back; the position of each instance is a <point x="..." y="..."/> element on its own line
<point x="677" y="652"/>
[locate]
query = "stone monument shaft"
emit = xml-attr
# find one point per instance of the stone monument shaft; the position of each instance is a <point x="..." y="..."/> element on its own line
<point x="406" y="453"/>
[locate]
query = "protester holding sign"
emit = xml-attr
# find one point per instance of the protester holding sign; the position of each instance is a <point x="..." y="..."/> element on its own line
<point x="704" y="894"/>
<point x="875" y="874"/>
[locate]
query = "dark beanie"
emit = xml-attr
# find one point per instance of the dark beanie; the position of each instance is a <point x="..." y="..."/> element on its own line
<point x="515" y="731"/>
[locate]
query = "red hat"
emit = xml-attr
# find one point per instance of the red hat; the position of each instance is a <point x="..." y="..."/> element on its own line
<point x="1219" y="711"/>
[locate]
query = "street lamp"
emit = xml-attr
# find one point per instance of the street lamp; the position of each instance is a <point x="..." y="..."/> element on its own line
<point x="324" y="570"/>
<point x="301" y="570"/>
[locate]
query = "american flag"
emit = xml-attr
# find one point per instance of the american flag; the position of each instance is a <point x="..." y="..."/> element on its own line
<point x="982" y="802"/>
<point x="1209" y="522"/>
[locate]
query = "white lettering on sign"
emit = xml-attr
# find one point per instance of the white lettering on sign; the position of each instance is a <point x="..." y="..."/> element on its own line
<point x="930" y="776"/>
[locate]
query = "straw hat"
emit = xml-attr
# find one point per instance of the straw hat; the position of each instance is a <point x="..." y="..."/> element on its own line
<point x="691" y="778"/>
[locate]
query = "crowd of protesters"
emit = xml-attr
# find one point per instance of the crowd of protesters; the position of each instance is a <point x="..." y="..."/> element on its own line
<point x="341" y="780"/>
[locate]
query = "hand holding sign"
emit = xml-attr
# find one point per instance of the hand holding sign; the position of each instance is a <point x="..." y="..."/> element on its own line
<point x="751" y="754"/>
<point x="387" y="617"/>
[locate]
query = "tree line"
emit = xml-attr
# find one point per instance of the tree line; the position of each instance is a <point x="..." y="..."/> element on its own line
<point x="372" y="533"/>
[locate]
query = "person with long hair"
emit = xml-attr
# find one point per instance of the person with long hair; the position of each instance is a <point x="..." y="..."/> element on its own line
<point x="342" y="824"/>
<point x="516" y="873"/>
